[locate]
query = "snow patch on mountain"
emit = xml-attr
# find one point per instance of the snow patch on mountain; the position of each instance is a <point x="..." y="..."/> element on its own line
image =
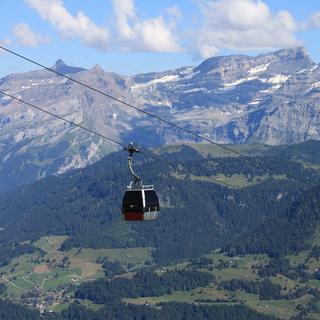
<point x="272" y="89"/>
<point x="168" y="78"/>
<point x="19" y="136"/>
<point x="279" y="78"/>
<point x="191" y="75"/>
<point x="314" y="68"/>
<point x="255" y="102"/>
<point x="239" y="81"/>
<point x="196" y="90"/>
<point x="258" y="69"/>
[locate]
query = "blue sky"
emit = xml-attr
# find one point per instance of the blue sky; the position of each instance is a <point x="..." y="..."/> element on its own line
<point x="128" y="36"/>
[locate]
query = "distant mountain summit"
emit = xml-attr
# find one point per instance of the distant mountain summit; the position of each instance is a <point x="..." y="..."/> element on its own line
<point x="62" y="67"/>
<point x="285" y="60"/>
<point x="272" y="98"/>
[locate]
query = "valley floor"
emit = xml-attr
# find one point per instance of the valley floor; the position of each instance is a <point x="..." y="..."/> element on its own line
<point x="47" y="279"/>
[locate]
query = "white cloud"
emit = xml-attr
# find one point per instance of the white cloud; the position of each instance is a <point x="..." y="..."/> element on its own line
<point x="26" y="37"/>
<point x="175" y="15"/>
<point x="314" y="21"/>
<point x="124" y="10"/>
<point x="175" y="12"/>
<point x="135" y="34"/>
<point x="129" y="32"/>
<point x="69" y="26"/>
<point x="207" y="51"/>
<point x="243" y="25"/>
<point x="239" y="25"/>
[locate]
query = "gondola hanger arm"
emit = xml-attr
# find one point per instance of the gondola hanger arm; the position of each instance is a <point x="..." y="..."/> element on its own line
<point x="132" y="150"/>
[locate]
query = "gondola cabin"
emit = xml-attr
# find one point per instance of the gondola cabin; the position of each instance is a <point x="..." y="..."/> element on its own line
<point x="140" y="204"/>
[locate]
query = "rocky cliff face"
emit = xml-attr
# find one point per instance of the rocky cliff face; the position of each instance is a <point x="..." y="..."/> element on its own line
<point x="273" y="98"/>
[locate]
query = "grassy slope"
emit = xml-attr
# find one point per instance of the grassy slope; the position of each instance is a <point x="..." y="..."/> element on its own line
<point x="299" y="153"/>
<point x="206" y="149"/>
<point x="237" y="180"/>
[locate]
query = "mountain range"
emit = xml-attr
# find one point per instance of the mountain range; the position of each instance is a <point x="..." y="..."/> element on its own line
<point x="271" y="99"/>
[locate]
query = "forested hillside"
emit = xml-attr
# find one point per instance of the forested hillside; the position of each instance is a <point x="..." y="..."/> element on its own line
<point x="178" y="311"/>
<point x="9" y="310"/>
<point x="283" y="234"/>
<point x="198" y="213"/>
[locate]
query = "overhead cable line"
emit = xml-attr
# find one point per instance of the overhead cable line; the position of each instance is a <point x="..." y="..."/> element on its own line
<point x="229" y="185"/>
<point x="149" y="113"/>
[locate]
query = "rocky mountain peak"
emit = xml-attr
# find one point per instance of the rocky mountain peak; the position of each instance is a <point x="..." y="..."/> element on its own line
<point x="60" y="63"/>
<point x="220" y="62"/>
<point x="233" y="67"/>
<point x="62" y="67"/>
<point x="97" y="69"/>
<point x="287" y="60"/>
<point x="293" y="53"/>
